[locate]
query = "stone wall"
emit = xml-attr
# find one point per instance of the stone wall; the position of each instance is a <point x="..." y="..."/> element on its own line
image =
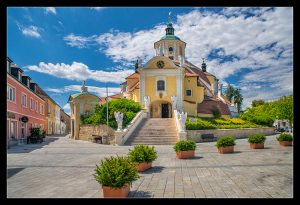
<point x="86" y="131"/>
<point x="238" y="133"/>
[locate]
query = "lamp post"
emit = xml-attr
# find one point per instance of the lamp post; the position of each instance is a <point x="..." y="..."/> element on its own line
<point x="106" y="108"/>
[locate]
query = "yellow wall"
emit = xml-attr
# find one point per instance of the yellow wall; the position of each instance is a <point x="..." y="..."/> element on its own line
<point x="190" y="108"/>
<point x="136" y="95"/>
<point x="51" y="117"/>
<point x="211" y="79"/>
<point x="150" y="88"/>
<point x="197" y="91"/>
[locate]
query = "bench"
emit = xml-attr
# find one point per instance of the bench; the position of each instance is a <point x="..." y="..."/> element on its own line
<point x="208" y="138"/>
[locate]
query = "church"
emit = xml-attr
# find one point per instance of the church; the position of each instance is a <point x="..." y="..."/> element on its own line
<point x="167" y="82"/>
<point x="171" y="82"/>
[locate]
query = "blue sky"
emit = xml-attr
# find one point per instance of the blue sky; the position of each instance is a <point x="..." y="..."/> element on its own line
<point x="251" y="48"/>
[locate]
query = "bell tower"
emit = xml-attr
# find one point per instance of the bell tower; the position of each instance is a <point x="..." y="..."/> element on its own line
<point x="170" y="45"/>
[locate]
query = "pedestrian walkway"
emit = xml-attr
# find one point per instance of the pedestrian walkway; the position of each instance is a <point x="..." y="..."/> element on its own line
<point x="62" y="167"/>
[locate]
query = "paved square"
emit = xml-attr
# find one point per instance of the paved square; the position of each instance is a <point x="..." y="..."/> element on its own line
<point x="61" y="167"/>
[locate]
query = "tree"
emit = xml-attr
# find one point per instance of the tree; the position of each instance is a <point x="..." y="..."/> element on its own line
<point x="236" y="93"/>
<point x="229" y="92"/>
<point x="238" y="98"/>
<point x="258" y="102"/>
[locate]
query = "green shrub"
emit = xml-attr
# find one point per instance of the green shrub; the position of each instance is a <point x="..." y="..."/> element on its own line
<point x="216" y="112"/>
<point x="116" y="172"/>
<point x="184" y="145"/>
<point x="225" y="141"/>
<point x="200" y="125"/>
<point x="142" y="153"/>
<point x="285" y="137"/>
<point x="257" y="139"/>
<point x="237" y="121"/>
<point x="222" y="121"/>
<point x="35" y="131"/>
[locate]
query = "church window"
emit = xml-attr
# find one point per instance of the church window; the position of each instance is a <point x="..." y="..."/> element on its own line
<point x="170" y="49"/>
<point x="188" y="92"/>
<point x="160" y="85"/>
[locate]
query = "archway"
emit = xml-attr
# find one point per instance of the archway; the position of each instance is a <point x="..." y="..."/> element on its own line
<point x="161" y="109"/>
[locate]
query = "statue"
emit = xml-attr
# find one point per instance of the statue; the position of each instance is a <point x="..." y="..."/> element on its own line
<point x="174" y="102"/>
<point x="147" y="102"/>
<point x="182" y="118"/>
<point x="119" y="119"/>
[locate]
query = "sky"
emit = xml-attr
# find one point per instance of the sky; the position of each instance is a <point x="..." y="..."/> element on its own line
<point x="58" y="47"/>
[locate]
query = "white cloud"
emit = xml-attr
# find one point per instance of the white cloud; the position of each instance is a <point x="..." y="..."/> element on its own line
<point x="50" y="10"/>
<point x="79" y="41"/>
<point x="99" y="91"/>
<point x="79" y="71"/>
<point x="259" y="39"/>
<point x="31" y="31"/>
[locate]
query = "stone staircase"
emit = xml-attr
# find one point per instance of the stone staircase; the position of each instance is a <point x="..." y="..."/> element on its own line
<point x="154" y="131"/>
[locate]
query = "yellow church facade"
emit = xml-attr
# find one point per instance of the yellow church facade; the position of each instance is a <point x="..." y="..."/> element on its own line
<point x="171" y="82"/>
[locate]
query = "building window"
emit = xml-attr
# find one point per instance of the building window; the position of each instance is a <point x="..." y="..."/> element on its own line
<point x="161" y="85"/>
<point x="23" y="130"/>
<point x="171" y="49"/>
<point x="41" y="109"/>
<point x="31" y="103"/>
<point x="36" y="106"/>
<point x="24" y="100"/>
<point x="171" y="57"/>
<point x="188" y="92"/>
<point x="49" y="109"/>
<point x="11" y="93"/>
<point x="7" y="66"/>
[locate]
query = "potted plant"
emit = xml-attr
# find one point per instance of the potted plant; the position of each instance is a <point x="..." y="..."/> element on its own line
<point x="143" y="155"/>
<point x="257" y="141"/>
<point x="116" y="174"/>
<point x="285" y="139"/>
<point x="185" y="149"/>
<point x="226" y="144"/>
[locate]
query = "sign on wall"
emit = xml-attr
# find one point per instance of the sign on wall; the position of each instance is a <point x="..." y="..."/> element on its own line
<point x="24" y="119"/>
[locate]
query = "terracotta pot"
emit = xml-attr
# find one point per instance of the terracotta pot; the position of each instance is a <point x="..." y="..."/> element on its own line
<point x="228" y="149"/>
<point x="257" y="145"/>
<point x="143" y="166"/>
<point x="109" y="192"/>
<point x="286" y="143"/>
<point x="185" y="154"/>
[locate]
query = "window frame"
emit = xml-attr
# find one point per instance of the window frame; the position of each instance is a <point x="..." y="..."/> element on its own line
<point x="10" y="87"/>
<point x="31" y="103"/>
<point x="22" y="95"/>
<point x="157" y="85"/>
<point x="36" y="106"/>
<point x="188" y="90"/>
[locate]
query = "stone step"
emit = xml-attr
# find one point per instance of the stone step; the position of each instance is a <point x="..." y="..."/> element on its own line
<point x="154" y="136"/>
<point x="154" y="143"/>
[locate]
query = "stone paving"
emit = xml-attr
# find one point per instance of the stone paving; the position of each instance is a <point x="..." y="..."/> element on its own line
<point x="63" y="168"/>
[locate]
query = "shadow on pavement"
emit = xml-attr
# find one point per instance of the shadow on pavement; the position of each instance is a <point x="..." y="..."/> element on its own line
<point x="12" y="171"/>
<point x="154" y="169"/>
<point x="26" y="148"/>
<point x="140" y="194"/>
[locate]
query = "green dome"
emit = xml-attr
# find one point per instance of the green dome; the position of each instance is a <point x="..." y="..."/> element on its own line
<point x="170" y="37"/>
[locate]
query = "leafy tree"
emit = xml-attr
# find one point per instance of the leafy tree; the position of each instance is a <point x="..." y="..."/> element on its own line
<point x="129" y="108"/>
<point x="230" y="92"/>
<point x="216" y="112"/>
<point x="258" y="102"/>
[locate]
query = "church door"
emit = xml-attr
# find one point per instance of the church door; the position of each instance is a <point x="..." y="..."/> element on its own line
<point x="164" y="111"/>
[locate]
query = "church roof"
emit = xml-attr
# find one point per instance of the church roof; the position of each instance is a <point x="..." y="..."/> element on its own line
<point x="133" y="76"/>
<point x="79" y="94"/>
<point x="170" y="37"/>
<point x="208" y="104"/>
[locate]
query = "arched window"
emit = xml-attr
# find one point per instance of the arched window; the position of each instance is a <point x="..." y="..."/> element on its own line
<point x="161" y="85"/>
<point x="170" y="48"/>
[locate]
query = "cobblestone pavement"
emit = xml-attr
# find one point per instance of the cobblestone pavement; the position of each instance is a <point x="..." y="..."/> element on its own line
<point x="61" y="167"/>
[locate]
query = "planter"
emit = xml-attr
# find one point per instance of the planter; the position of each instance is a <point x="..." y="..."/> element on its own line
<point x="185" y="154"/>
<point x="257" y="145"/>
<point x="143" y="166"/>
<point x="109" y="192"/>
<point x="286" y="143"/>
<point x="228" y="149"/>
